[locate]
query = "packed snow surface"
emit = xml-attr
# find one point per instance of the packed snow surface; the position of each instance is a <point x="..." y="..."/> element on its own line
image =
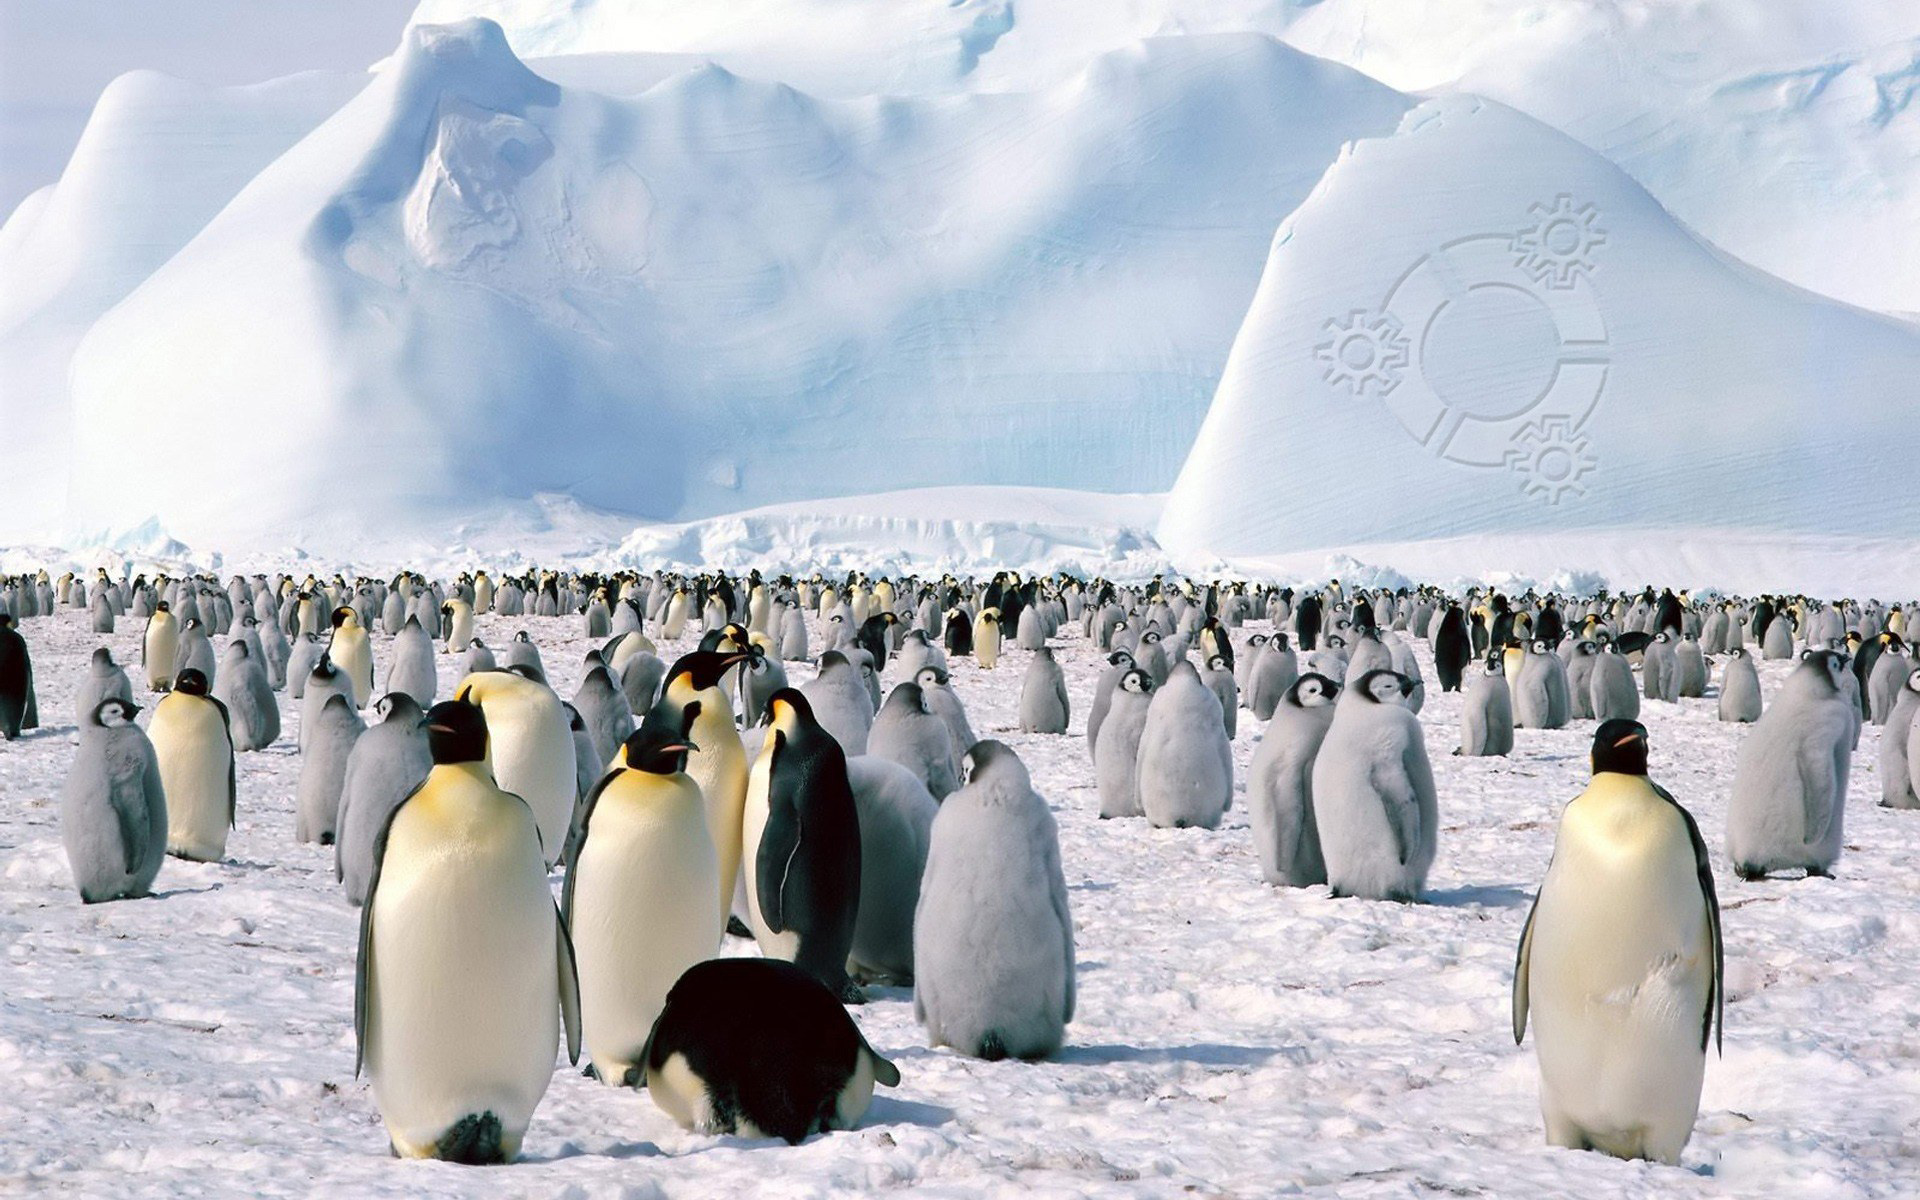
<point x="1232" y="1039"/>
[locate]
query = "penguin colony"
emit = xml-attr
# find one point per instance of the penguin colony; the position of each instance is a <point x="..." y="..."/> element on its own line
<point x="856" y="829"/>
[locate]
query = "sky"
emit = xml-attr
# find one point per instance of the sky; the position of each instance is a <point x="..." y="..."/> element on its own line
<point x="57" y="55"/>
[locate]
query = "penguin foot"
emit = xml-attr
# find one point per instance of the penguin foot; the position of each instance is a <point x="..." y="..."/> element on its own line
<point x="852" y="993"/>
<point x="474" y="1140"/>
<point x="738" y="928"/>
<point x="1748" y="873"/>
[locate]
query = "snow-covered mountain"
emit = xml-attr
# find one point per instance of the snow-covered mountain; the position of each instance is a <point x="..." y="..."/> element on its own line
<point x="610" y="261"/>
<point x="1476" y="326"/>
<point x="472" y="283"/>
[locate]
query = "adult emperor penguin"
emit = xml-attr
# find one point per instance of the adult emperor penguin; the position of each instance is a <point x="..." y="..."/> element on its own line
<point x="1740" y="689"/>
<point x="529" y="748"/>
<point x="639" y="895"/>
<point x="194" y="748"/>
<point x="1486" y="714"/>
<point x="1620" y="963"/>
<point x="456" y="616"/>
<point x="1373" y="795"/>
<point x="1280" y="785"/>
<point x="992" y="938"/>
<point x="1116" y="758"/>
<point x="18" y="708"/>
<point x="352" y="652"/>
<point x="113" y="811"/>
<point x="757" y="1047"/>
<point x="1043" y="694"/>
<point x="1185" y="771"/>
<point x="1790" y="774"/>
<point x="388" y="762"/>
<point x="986" y="638"/>
<point x="160" y="648"/>
<point x="801" y="846"/>
<point x="465" y="976"/>
<point x="693" y="703"/>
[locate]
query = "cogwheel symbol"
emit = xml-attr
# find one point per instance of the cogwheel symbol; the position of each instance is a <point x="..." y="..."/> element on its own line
<point x="1558" y="247"/>
<point x="1552" y="457"/>
<point x="1363" y="349"/>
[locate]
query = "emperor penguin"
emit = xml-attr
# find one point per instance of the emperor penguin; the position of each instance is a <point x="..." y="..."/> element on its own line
<point x="945" y="704"/>
<point x="801" y="846"/>
<point x="1373" y="795"/>
<point x="1740" y="688"/>
<point x="477" y="658"/>
<point x="1043" y="693"/>
<point x="909" y="733"/>
<point x="104" y="680"/>
<point x="992" y="937"/>
<point x="839" y="701"/>
<point x="1581" y="656"/>
<point x="986" y="638"/>
<point x="1689" y="669"/>
<point x="638" y="900"/>
<point x="192" y="744"/>
<point x="456" y="618"/>
<point x="1777" y="642"/>
<point x="1119" y="662"/>
<point x="324" y="682"/>
<point x="1611" y="686"/>
<point x="521" y="652"/>
<point x="1280" y="785"/>
<point x="604" y="708"/>
<point x="1274" y="675"/>
<point x="252" y="709"/>
<point x="1486" y="714"/>
<point x="465" y="977"/>
<point x="412" y="670"/>
<point x="758" y="1047"/>
<point x="323" y="770"/>
<point x="160" y="648"/>
<point x="1620" y="963"/>
<point x="387" y="763"/>
<point x="113" y="810"/>
<point x="1452" y="648"/>
<point x="530" y="749"/>
<point x="352" y="651"/>
<point x="1897" y="774"/>
<point x="1540" y="699"/>
<point x="1116" y="759"/>
<point x="896" y="822"/>
<point x="693" y="703"/>
<point x="274" y="651"/>
<point x="302" y="657"/>
<point x="1185" y="770"/>
<point x="1790" y="775"/>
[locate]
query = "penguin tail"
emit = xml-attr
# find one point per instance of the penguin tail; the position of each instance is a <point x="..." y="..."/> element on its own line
<point x="992" y="1048"/>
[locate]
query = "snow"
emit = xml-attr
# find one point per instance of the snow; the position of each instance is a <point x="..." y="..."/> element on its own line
<point x="1546" y="352"/>
<point x="1231" y="1039"/>
<point x="1784" y="131"/>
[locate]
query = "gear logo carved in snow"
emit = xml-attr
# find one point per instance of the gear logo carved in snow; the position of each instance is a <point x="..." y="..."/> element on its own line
<point x="1491" y="350"/>
<point x="1364" y="349"/>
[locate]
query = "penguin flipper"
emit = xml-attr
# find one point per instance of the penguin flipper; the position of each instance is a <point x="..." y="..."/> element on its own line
<point x="1521" y="965"/>
<point x="132" y="841"/>
<point x="578" y="842"/>
<point x="569" y="986"/>
<point x="363" y="961"/>
<point x="1816" y="792"/>
<point x="779" y="847"/>
<point x="1714" y="1021"/>
<point x="1396" y="796"/>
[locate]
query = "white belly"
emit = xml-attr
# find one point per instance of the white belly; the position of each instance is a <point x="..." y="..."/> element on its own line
<point x="754" y="823"/>
<point x="642" y="915"/>
<point x="196" y="765"/>
<point x="465" y="1004"/>
<point x="533" y="757"/>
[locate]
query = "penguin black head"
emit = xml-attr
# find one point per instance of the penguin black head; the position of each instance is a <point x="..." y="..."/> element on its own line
<point x="340" y="616"/>
<point x="192" y="682"/>
<point x="1314" y="690"/>
<point x="102" y="657"/>
<point x="1620" y="746"/>
<point x="703" y="668"/>
<point x="1120" y="657"/>
<point x="1136" y="681"/>
<point x="658" y="750"/>
<point x="114" y="712"/>
<point x="398" y="707"/>
<point x="929" y="676"/>
<point x="163" y="606"/>
<point x="908" y="697"/>
<point x="456" y="732"/>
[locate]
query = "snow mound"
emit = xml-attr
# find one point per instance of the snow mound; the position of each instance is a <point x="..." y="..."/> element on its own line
<point x="159" y="157"/>
<point x="1477" y="326"/>
<point x="472" y="285"/>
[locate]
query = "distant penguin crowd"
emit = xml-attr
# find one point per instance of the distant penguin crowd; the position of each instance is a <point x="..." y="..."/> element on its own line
<point x="853" y="827"/>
